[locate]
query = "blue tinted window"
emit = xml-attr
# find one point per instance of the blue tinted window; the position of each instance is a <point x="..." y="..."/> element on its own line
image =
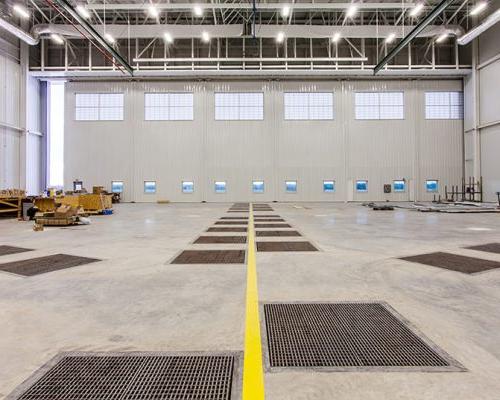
<point x="220" y="187"/>
<point x="328" y="186"/>
<point x="187" y="187"/>
<point x="258" y="186"/>
<point x="399" y="186"/>
<point x="117" y="186"/>
<point x="431" y="185"/>
<point x="149" y="187"/>
<point x="361" y="186"/>
<point x="291" y="186"/>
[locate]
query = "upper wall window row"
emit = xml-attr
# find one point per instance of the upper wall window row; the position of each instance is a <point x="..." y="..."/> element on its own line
<point x="168" y="106"/>
<point x="379" y="105"/>
<point x="444" y="105"/>
<point x="308" y="106"/>
<point x="239" y="106"/>
<point x="99" y="106"/>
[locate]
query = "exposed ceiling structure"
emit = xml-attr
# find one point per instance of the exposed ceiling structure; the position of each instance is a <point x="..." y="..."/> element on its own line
<point x="205" y="38"/>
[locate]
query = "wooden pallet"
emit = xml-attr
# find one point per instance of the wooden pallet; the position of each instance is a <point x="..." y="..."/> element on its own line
<point x="12" y="205"/>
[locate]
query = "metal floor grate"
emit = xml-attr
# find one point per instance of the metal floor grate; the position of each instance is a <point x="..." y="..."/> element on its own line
<point x="489" y="248"/>
<point x="454" y="262"/>
<point x="134" y="376"/>
<point x="276" y="233"/>
<point x="257" y="219"/>
<point x="234" y="218"/>
<point x="7" y="250"/>
<point x="257" y="225"/>
<point x="220" y="239"/>
<point x="231" y="223"/>
<point x="41" y="265"/>
<point x="227" y="229"/>
<point x="238" y="211"/>
<point x="210" y="257"/>
<point x="339" y="336"/>
<point x="285" y="246"/>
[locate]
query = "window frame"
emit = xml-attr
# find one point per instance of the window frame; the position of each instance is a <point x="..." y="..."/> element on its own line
<point x="99" y="107"/>
<point x="328" y="181"/>
<point x="309" y="107"/>
<point x="359" y="181"/>
<point x="449" y="105"/>
<point x="399" y="190"/>
<point x="379" y="106"/>
<point x="238" y="107"/>
<point x="150" y="181"/>
<point x="258" y="191"/>
<point x="192" y="187"/>
<point x="219" y="191"/>
<point x="294" y="181"/>
<point x="427" y="187"/>
<point x="113" y="182"/>
<point x="169" y="107"/>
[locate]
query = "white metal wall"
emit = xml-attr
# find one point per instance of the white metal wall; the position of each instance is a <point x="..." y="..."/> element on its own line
<point x="273" y="150"/>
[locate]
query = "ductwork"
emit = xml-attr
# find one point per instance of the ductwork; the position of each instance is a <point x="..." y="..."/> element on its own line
<point x="17" y="32"/>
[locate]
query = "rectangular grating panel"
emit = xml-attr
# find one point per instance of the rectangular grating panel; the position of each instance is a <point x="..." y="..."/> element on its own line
<point x="285" y="246"/>
<point x="234" y="218"/>
<point x="41" y="265"/>
<point x="342" y="335"/>
<point x="6" y="250"/>
<point x="210" y="257"/>
<point x="257" y="219"/>
<point x="276" y="233"/>
<point x="240" y="212"/>
<point x="220" y="239"/>
<point x="273" y="226"/>
<point x="227" y="229"/>
<point x="454" y="262"/>
<point x="134" y="376"/>
<point x="489" y="248"/>
<point x="231" y="223"/>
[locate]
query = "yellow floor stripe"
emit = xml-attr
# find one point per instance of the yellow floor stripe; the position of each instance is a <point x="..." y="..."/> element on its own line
<point x="253" y="375"/>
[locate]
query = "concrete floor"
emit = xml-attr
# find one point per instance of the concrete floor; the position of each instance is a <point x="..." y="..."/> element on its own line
<point x="135" y="300"/>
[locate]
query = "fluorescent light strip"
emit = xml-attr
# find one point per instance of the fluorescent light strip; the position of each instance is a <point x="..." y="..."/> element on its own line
<point x="478" y="8"/>
<point x="441" y="38"/>
<point x="109" y="38"/>
<point x="82" y="11"/>
<point x="56" y="38"/>
<point x="21" y="11"/>
<point x="390" y="38"/>
<point x="417" y="10"/>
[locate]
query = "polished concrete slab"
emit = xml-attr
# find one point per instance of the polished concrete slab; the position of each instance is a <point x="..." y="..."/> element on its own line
<point x="134" y="300"/>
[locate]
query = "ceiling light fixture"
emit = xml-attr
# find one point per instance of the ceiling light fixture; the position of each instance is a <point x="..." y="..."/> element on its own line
<point x="82" y="11"/>
<point x="441" y="38"/>
<point x="281" y="37"/>
<point x="390" y="38"/>
<point x="336" y="37"/>
<point x="417" y="10"/>
<point x="56" y="38"/>
<point x="285" y="11"/>
<point x="109" y="38"/>
<point x="168" y="37"/>
<point x="478" y="8"/>
<point x="351" y="11"/>
<point x="205" y="37"/>
<point x="21" y="11"/>
<point x="198" y="11"/>
<point x="153" y="11"/>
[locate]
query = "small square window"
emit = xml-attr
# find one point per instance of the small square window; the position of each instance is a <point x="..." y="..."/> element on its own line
<point x="220" y="187"/>
<point x="258" y="186"/>
<point x="328" y="186"/>
<point x="399" y="186"/>
<point x="117" y="186"/>
<point x="187" y="187"/>
<point x="149" y="187"/>
<point x="291" y="186"/>
<point x="361" y="186"/>
<point x="431" y="185"/>
<point x="77" y="186"/>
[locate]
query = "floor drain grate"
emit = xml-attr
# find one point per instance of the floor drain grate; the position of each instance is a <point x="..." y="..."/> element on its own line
<point x="220" y="239"/>
<point x="237" y="211"/>
<point x="489" y="248"/>
<point x="231" y="223"/>
<point x="285" y="246"/>
<point x="6" y="250"/>
<point x="276" y="233"/>
<point x="227" y="229"/>
<point x="210" y="257"/>
<point x="234" y="218"/>
<point x="257" y="219"/>
<point x="41" y="265"/>
<point x="454" y="262"/>
<point x="134" y="376"/>
<point x="273" y="225"/>
<point x="339" y="336"/>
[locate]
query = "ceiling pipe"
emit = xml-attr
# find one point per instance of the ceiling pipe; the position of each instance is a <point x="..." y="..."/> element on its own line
<point x="485" y="25"/>
<point x="414" y="33"/>
<point x="19" y="33"/>
<point x="64" y="4"/>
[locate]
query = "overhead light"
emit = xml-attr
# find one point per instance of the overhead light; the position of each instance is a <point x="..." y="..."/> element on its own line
<point x="281" y="37"/>
<point x="153" y="11"/>
<point x="56" y="38"/>
<point x="485" y="25"/>
<point x="390" y="38"/>
<point x="205" y="37"/>
<point x="478" y="8"/>
<point x="351" y="11"/>
<point x="417" y="10"/>
<point x="82" y="11"/>
<point x="21" y="11"/>
<point x="198" y="11"/>
<point x="168" y="37"/>
<point x="109" y="38"/>
<point x="285" y="11"/>
<point x="441" y="38"/>
<point x="336" y="37"/>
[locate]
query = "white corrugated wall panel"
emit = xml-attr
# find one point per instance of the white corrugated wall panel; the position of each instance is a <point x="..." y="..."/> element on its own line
<point x="490" y="162"/>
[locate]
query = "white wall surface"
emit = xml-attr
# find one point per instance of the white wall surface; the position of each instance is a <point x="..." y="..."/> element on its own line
<point x="272" y="150"/>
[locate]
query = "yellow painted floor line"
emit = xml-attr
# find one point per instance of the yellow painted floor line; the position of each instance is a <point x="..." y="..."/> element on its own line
<point x="253" y="374"/>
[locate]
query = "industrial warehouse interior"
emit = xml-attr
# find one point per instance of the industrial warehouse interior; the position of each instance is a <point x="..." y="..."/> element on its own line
<point x="249" y="199"/>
